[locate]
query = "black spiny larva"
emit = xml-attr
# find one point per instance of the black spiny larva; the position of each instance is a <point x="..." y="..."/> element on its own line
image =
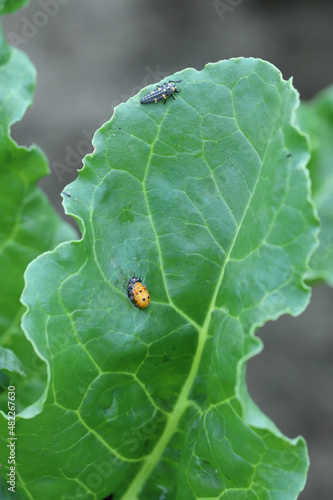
<point x="162" y="92"/>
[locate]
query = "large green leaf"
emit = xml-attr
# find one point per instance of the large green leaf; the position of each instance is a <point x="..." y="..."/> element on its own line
<point x="207" y="199"/>
<point x="29" y="227"/>
<point x="316" y="118"/>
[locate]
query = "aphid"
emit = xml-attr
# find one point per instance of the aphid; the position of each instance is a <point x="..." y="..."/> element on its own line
<point x="161" y="93"/>
<point x="138" y="293"/>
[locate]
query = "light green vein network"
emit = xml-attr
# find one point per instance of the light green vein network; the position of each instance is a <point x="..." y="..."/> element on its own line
<point x="182" y="403"/>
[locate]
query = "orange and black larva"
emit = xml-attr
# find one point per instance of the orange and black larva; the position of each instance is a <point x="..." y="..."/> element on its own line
<point x="138" y="293"/>
<point x="161" y="93"/>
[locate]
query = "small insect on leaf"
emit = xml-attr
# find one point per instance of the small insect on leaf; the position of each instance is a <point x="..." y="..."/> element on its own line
<point x="138" y="293"/>
<point x="162" y="92"/>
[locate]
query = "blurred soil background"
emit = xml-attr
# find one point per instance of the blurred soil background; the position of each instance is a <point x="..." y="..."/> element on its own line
<point x="90" y="56"/>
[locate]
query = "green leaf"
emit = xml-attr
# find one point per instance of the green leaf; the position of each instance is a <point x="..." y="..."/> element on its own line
<point x="316" y="119"/>
<point x="10" y="6"/>
<point x="8" y="361"/>
<point x="206" y="198"/>
<point x="29" y="227"/>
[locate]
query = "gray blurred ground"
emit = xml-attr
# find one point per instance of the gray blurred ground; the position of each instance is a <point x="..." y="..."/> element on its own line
<point x="92" y="55"/>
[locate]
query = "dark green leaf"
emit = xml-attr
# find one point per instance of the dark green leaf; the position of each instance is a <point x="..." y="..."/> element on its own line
<point x="9" y="6"/>
<point x="29" y="227"/>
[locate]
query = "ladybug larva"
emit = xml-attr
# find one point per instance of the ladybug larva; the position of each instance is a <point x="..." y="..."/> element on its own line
<point x="161" y="93"/>
<point x="138" y="293"/>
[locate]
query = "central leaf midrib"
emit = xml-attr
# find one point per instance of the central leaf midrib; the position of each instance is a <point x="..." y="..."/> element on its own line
<point x="183" y="399"/>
